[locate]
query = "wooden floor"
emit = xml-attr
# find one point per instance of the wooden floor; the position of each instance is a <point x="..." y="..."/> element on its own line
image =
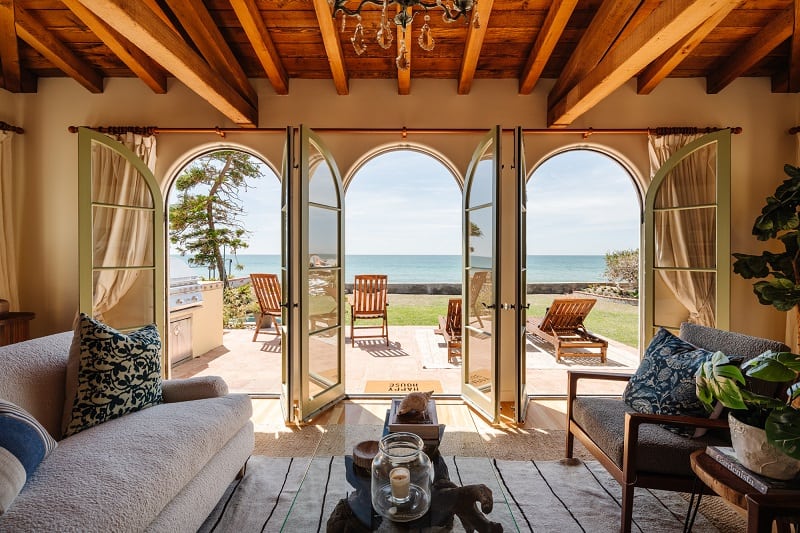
<point x="546" y="415"/>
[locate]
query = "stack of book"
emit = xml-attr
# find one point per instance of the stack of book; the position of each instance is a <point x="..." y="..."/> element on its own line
<point x="725" y="456"/>
<point x="427" y="426"/>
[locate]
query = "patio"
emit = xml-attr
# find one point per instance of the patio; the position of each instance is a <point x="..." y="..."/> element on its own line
<point x="415" y="354"/>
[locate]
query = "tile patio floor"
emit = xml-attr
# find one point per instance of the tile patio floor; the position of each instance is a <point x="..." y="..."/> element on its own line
<point x="414" y="353"/>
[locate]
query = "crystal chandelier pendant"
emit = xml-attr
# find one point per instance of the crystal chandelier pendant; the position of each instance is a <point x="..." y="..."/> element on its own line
<point x="402" y="61"/>
<point x="425" y="39"/>
<point x="384" y="35"/>
<point x="359" y="44"/>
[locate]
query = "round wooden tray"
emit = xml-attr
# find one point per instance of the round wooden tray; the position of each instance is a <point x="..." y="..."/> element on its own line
<point x="364" y="452"/>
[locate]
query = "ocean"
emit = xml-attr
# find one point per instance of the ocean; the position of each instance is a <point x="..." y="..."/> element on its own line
<point x="433" y="268"/>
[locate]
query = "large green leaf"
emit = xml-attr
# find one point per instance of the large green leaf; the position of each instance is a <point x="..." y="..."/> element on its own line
<point x="773" y="366"/>
<point x="783" y="430"/>
<point x="718" y="379"/>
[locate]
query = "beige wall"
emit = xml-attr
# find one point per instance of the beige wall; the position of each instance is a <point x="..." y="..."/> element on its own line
<point x="49" y="180"/>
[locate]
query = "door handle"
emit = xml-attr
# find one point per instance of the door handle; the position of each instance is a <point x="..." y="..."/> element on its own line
<point x="506" y="306"/>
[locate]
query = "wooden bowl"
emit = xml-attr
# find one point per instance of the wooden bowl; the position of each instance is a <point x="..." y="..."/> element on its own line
<point x="364" y="452"/>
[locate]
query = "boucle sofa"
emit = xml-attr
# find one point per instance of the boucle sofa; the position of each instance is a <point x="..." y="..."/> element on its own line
<point x="159" y="469"/>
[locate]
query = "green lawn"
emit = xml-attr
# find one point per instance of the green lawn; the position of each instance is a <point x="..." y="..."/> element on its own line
<point x="610" y="319"/>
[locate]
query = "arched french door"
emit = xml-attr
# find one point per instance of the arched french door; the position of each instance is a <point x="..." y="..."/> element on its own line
<point x="121" y="236"/>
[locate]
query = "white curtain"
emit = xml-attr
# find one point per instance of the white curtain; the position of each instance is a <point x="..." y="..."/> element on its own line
<point x="121" y="237"/>
<point x="8" y="246"/>
<point x="686" y="238"/>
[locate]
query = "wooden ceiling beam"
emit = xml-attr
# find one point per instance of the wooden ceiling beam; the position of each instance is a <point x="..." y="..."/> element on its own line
<point x="35" y="34"/>
<point x="641" y="14"/>
<point x="256" y="31"/>
<point x="794" y="53"/>
<point x="659" y="69"/>
<point x="777" y="31"/>
<point x="196" y="20"/>
<point x="606" y="25"/>
<point x="557" y="17"/>
<point x="155" y="7"/>
<point x="9" y="48"/>
<point x="333" y="47"/>
<point x="404" y="75"/>
<point x="473" y="45"/>
<point x="665" y="26"/>
<point x="134" y="20"/>
<point x="140" y="63"/>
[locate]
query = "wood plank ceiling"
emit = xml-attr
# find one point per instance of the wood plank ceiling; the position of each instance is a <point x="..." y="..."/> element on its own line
<point x="590" y="47"/>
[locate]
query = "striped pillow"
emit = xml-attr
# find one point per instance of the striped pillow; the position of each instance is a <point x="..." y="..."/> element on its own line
<point x="24" y="443"/>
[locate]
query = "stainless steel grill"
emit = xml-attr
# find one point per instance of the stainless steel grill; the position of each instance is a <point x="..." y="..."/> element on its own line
<point x="184" y="286"/>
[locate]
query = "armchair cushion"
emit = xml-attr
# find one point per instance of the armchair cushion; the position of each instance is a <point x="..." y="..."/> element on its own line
<point x="658" y="450"/>
<point x="664" y="383"/>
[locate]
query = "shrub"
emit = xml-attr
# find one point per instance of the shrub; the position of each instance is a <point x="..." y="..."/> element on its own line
<point x="623" y="265"/>
<point x="237" y="303"/>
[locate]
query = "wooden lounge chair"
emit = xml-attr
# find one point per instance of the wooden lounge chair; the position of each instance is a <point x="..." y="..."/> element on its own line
<point x="450" y="329"/>
<point x="268" y="293"/>
<point x="562" y="326"/>
<point x="368" y="301"/>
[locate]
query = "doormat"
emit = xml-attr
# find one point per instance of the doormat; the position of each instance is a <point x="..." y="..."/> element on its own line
<point x="402" y="387"/>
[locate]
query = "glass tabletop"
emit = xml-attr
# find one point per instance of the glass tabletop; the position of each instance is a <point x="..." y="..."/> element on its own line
<point x="335" y="496"/>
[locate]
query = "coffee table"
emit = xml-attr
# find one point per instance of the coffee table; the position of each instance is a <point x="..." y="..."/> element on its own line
<point x="335" y="495"/>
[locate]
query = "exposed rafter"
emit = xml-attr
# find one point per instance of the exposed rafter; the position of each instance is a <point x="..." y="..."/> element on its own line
<point x="472" y="48"/>
<point x="9" y="49"/>
<point x="794" y="55"/>
<point x="146" y="30"/>
<point x="659" y="69"/>
<point x="256" y="31"/>
<point x="333" y="47"/>
<point x="606" y="24"/>
<point x="36" y="35"/>
<point x="205" y="34"/>
<point x="140" y="63"/>
<point x="665" y="26"/>
<point x="773" y="34"/>
<point x="557" y="17"/>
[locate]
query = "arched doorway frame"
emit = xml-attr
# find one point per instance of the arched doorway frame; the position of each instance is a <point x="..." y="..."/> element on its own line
<point x="639" y="181"/>
<point x="401" y="146"/>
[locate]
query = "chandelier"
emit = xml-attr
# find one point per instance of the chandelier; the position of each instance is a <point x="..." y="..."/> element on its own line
<point x="403" y="19"/>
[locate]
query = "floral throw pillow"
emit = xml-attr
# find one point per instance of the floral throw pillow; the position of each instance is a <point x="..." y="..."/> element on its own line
<point x="117" y="373"/>
<point x="664" y="383"/>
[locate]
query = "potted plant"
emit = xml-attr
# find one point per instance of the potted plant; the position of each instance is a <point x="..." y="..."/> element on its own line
<point x="780" y="270"/>
<point x="765" y="428"/>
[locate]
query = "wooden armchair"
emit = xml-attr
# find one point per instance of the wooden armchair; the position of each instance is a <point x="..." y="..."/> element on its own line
<point x="368" y="301"/>
<point x="635" y="448"/>
<point x="450" y="329"/>
<point x="267" y="289"/>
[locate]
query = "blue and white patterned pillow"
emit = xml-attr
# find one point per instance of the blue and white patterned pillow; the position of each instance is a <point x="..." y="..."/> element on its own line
<point x="117" y="373"/>
<point x="664" y="383"/>
<point x="24" y="443"/>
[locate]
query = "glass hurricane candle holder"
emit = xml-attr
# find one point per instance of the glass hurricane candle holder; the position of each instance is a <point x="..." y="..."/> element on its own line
<point x="402" y="475"/>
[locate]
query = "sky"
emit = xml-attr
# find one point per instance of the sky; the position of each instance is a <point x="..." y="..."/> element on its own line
<point x="404" y="202"/>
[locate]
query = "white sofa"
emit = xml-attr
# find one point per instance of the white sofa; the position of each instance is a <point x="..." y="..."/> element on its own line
<point x="159" y="469"/>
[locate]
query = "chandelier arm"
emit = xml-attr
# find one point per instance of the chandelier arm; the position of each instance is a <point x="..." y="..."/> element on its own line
<point x="339" y="6"/>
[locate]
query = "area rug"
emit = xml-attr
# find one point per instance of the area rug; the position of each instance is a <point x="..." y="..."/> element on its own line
<point x="542" y="496"/>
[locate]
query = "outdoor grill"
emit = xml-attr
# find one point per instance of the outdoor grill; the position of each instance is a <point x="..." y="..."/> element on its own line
<point x="184" y="286"/>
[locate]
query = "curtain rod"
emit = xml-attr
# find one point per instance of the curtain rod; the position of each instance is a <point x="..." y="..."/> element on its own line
<point x="404" y="131"/>
<point x="5" y="126"/>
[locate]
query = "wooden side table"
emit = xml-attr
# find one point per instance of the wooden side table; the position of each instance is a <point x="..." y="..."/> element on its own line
<point x="762" y="509"/>
<point x="15" y="327"/>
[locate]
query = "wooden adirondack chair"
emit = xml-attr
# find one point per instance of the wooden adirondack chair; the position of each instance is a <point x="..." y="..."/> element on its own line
<point x="450" y="329"/>
<point x="562" y="326"/>
<point x="368" y="301"/>
<point x="268" y="293"/>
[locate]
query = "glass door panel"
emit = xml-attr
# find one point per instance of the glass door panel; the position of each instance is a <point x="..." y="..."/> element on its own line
<point x="121" y="241"/>
<point x="521" y="259"/>
<point x="321" y="309"/>
<point x="687" y="237"/>
<point x="288" y="342"/>
<point x="480" y="370"/>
